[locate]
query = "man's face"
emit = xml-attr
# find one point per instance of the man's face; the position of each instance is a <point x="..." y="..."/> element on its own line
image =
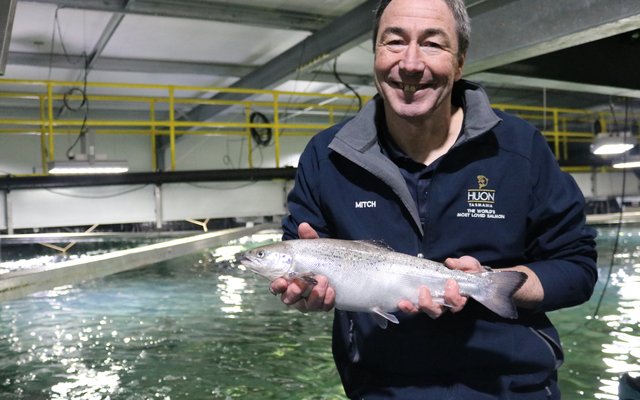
<point x="416" y="58"/>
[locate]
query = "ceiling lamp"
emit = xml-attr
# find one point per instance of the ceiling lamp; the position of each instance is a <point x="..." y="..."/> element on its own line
<point x="607" y="143"/>
<point x="87" y="162"/>
<point x="628" y="162"/>
<point x="74" y="167"/>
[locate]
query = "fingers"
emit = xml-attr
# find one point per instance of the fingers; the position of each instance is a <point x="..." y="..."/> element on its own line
<point x="408" y="307"/>
<point x="303" y="296"/>
<point x="464" y="263"/>
<point x="305" y="231"/>
<point x="322" y="296"/>
<point x="452" y="297"/>
<point x="427" y="305"/>
<point x="278" y="286"/>
<point x="300" y="294"/>
<point x="453" y="301"/>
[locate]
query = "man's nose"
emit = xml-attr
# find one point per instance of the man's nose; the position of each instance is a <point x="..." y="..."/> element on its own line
<point x="412" y="61"/>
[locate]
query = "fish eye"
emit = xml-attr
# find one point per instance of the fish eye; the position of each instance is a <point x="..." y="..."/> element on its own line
<point x="260" y="253"/>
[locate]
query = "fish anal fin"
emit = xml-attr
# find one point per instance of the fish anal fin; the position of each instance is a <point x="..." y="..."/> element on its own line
<point x="381" y="317"/>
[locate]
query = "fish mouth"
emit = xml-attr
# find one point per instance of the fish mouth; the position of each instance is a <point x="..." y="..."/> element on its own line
<point x="243" y="259"/>
<point x="247" y="262"/>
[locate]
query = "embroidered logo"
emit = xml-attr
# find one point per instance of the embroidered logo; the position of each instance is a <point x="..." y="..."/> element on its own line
<point x="481" y="197"/>
<point x="481" y="201"/>
<point x="483" y="181"/>
<point x="365" y="204"/>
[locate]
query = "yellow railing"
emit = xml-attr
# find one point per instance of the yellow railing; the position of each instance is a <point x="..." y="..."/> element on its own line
<point x="562" y="126"/>
<point x="163" y="104"/>
<point x="167" y="98"/>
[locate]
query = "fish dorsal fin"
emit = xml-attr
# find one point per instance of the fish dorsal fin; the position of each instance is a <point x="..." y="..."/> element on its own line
<point x="381" y="317"/>
<point x="378" y="244"/>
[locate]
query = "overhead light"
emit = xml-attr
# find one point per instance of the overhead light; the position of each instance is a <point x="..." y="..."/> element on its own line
<point x="607" y="144"/>
<point x="71" y="167"/>
<point x="628" y="162"/>
<point x="87" y="162"/>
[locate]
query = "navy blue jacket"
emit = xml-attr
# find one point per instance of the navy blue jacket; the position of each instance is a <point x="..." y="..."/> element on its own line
<point x="497" y="195"/>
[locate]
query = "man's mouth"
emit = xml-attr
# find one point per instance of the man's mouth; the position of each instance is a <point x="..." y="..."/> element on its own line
<point x="410" y="87"/>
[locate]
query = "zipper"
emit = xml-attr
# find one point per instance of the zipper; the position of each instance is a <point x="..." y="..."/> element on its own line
<point x="353" y="347"/>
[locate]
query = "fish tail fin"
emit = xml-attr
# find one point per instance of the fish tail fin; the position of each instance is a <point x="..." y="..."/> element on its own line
<point x="499" y="297"/>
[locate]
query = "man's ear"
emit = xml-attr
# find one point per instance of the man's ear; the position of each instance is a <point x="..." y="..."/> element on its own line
<point x="461" y="59"/>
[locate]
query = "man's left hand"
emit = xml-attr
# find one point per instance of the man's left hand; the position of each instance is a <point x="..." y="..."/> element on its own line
<point x="453" y="300"/>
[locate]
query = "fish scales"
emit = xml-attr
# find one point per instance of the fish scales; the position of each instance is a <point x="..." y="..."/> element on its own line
<point x="370" y="277"/>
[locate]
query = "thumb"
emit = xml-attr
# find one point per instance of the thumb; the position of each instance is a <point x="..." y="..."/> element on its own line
<point x="305" y="231"/>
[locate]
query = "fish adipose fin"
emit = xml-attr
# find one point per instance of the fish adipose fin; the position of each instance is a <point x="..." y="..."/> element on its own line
<point x="499" y="297"/>
<point x="381" y="317"/>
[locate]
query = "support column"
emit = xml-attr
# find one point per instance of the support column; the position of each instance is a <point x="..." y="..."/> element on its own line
<point x="157" y="192"/>
<point x="8" y="212"/>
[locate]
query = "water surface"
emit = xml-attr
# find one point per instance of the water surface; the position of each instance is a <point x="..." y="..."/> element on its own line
<point x="197" y="328"/>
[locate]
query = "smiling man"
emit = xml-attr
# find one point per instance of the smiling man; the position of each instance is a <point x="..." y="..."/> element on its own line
<point x="445" y="177"/>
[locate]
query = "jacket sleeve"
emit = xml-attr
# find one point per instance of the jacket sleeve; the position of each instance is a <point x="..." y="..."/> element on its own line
<point x="303" y="202"/>
<point x="560" y="244"/>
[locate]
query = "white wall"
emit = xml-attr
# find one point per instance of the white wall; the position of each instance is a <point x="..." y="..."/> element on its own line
<point x="197" y="152"/>
<point x="40" y="208"/>
<point x="20" y="154"/>
<point x="222" y="200"/>
<point x="606" y="184"/>
<point x="82" y="206"/>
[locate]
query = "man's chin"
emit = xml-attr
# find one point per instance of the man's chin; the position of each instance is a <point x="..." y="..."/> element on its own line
<point x="412" y="111"/>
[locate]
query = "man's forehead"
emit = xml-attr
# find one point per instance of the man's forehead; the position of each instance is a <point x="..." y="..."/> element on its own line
<point x="427" y="18"/>
<point x="419" y="12"/>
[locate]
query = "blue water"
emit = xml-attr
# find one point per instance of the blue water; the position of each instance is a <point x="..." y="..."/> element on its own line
<point x="196" y="328"/>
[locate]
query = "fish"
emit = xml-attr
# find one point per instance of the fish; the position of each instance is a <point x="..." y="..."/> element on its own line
<point x="369" y="276"/>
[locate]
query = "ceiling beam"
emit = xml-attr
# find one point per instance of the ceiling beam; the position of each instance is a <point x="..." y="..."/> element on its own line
<point x="210" y="11"/>
<point x="172" y="67"/>
<point x="131" y="65"/>
<point x="105" y="37"/>
<point x="515" y="81"/>
<point x="342" y="33"/>
<point x="522" y="29"/>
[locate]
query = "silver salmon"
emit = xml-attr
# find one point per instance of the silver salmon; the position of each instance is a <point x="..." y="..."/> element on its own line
<point x="369" y="276"/>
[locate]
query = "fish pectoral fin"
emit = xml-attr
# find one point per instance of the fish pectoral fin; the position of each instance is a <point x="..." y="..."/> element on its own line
<point x="307" y="277"/>
<point x="381" y="317"/>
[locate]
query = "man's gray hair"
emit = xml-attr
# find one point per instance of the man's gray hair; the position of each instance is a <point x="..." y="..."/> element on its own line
<point x="457" y="7"/>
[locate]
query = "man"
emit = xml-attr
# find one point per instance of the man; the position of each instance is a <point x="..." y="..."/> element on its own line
<point x="443" y="176"/>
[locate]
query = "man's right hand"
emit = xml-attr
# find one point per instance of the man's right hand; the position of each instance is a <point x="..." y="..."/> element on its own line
<point x="321" y="296"/>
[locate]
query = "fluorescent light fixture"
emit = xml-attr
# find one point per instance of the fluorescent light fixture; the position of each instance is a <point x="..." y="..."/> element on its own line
<point x="607" y="144"/>
<point x="74" y="167"/>
<point x="628" y="162"/>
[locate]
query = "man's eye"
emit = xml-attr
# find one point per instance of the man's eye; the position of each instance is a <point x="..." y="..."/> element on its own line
<point x="395" y="45"/>
<point x="432" y="45"/>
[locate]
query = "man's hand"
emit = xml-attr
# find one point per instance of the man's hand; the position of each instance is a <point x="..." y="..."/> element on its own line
<point x="300" y="294"/>
<point x="453" y="301"/>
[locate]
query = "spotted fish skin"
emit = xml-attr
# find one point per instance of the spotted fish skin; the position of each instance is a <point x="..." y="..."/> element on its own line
<point x="368" y="276"/>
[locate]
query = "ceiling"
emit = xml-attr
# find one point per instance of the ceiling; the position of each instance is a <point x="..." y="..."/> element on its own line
<point x="555" y="53"/>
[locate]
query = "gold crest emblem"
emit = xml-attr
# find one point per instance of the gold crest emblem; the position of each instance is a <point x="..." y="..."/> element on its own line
<point x="483" y="181"/>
